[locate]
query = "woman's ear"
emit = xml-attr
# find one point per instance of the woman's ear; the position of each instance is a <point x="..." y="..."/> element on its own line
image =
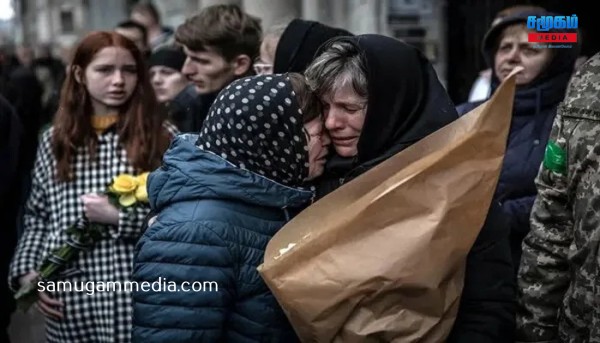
<point x="78" y="74"/>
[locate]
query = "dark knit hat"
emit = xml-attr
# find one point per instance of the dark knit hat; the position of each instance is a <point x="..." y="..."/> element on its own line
<point x="171" y="57"/>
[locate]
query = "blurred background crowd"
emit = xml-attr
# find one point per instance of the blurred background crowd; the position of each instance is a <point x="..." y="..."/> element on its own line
<point x="449" y="32"/>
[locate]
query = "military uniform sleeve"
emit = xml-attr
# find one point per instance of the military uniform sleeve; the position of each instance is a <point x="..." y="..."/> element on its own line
<point x="544" y="271"/>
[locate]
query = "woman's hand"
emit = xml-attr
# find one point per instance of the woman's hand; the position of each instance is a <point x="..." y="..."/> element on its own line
<point x="49" y="307"/>
<point x="99" y="210"/>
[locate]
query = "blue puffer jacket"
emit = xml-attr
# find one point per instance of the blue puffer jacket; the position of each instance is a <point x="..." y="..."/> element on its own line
<point x="214" y="222"/>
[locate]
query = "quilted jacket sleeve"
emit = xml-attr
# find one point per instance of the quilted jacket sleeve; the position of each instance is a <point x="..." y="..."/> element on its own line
<point x="197" y="267"/>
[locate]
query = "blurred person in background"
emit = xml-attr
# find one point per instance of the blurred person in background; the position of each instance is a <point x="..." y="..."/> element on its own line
<point x="20" y="86"/>
<point x="481" y="89"/>
<point x="173" y="89"/>
<point x="21" y="117"/>
<point x="136" y="33"/>
<point x="25" y="55"/>
<point x="146" y="14"/>
<point x="263" y="64"/>
<point x="65" y="54"/>
<point x="10" y="181"/>
<point x="51" y="73"/>
<point x="541" y="87"/>
<point x="291" y="47"/>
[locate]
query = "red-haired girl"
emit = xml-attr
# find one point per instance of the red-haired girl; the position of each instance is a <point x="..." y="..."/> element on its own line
<point x="107" y="124"/>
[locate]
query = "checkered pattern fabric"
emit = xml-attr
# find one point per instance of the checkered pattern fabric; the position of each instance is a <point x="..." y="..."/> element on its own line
<point x="53" y="207"/>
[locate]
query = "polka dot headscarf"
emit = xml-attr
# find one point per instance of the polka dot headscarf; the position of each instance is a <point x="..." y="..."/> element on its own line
<point x="256" y="124"/>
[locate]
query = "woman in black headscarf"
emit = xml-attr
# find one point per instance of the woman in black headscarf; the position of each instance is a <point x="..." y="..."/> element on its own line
<point x="381" y="96"/>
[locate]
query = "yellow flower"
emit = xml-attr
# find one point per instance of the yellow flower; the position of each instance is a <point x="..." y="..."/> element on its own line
<point x="141" y="193"/>
<point x="127" y="200"/>
<point x="124" y="184"/>
<point x="142" y="178"/>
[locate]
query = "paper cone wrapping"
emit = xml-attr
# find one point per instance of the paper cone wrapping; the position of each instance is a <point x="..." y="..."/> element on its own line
<point x="382" y="259"/>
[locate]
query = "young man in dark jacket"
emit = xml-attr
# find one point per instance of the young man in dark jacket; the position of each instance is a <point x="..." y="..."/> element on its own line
<point x="220" y="43"/>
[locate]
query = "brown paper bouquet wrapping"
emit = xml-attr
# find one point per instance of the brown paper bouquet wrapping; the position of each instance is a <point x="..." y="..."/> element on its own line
<point x="382" y="259"/>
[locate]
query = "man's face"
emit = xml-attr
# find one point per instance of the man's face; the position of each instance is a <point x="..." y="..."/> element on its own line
<point x="135" y="36"/>
<point x="515" y="50"/>
<point x="345" y="113"/>
<point x="25" y="55"/>
<point x="209" y="71"/>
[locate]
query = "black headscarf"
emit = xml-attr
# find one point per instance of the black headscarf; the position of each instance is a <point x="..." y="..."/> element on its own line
<point x="406" y="102"/>
<point x="299" y="43"/>
<point x="256" y="124"/>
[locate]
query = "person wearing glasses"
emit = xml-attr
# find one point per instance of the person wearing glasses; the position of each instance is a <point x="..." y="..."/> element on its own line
<point x="261" y="67"/>
<point x="291" y="47"/>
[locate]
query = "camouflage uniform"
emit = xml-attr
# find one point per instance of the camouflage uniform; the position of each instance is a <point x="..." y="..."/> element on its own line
<point x="559" y="277"/>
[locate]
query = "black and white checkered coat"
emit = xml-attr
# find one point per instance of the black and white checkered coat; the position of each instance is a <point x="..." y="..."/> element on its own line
<point x="53" y="207"/>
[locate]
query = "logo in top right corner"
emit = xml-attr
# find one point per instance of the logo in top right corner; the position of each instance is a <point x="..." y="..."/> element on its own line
<point x="544" y="24"/>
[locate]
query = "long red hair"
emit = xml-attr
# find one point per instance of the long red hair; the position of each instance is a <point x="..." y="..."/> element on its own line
<point x="140" y="123"/>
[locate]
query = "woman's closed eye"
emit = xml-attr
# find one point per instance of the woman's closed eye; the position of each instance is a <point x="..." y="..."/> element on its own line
<point x="104" y="69"/>
<point x="352" y="109"/>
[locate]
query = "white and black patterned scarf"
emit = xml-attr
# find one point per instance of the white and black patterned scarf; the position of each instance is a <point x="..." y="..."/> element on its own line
<point x="256" y="124"/>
